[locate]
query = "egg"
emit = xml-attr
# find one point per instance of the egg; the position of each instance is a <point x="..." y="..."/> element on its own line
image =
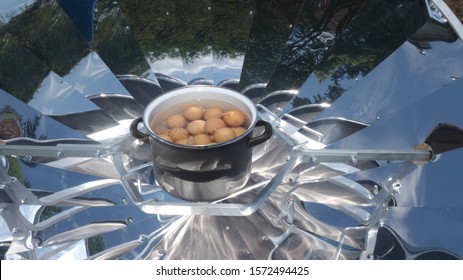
<point x="178" y="133"/>
<point x="238" y="130"/>
<point x="176" y="120"/>
<point x="185" y="141"/>
<point x="196" y="127"/>
<point x="193" y="112"/>
<point x="202" y="139"/>
<point x="212" y="112"/>
<point x="234" y="118"/>
<point x="165" y="137"/>
<point x="213" y="124"/>
<point x="224" y="134"/>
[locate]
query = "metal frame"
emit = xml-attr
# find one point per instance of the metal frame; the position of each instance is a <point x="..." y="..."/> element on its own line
<point x="301" y="152"/>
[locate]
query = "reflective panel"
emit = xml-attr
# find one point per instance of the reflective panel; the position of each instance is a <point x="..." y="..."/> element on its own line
<point x="154" y="26"/>
<point x="43" y="27"/>
<point x="125" y="57"/>
<point x="271" y="26"/>
<point x="231" y="26"/>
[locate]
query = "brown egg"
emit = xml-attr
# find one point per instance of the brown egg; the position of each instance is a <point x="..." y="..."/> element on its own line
<point x="178" y="133"/>
<point x="165" y="137"/>
<point x="196" y="127"/>
<point x="185" y="141"/>
<point x="224" y="134"/>
<point x="202" y="139"/>
<point x="192" y="113"/>
<point x="234" y="118"/>
<point x="213" y="124"/>
<point x="238" y="130"/>
<point x="213" y="112"/>
<point x="176" y="120"/>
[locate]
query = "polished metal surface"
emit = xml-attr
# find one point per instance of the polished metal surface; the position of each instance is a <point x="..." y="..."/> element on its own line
<point x="364" y="98"/>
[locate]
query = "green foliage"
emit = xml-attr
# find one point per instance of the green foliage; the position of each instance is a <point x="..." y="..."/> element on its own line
<point x="20" y="72"/>
<point x="95" y="245"/>
<point x="50" y="35"/>
<point x="114" y="41"/>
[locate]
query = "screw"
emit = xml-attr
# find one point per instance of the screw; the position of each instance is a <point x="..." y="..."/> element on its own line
<point x="370" y="257"/>
<point x="354" y="159"/>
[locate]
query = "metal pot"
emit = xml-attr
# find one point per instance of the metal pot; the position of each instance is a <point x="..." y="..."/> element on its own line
<point x="208" y="172"/>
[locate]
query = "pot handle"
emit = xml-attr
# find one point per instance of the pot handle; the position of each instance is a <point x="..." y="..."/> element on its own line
<point x="268" y="130"/>
<point x="136" y="133"/>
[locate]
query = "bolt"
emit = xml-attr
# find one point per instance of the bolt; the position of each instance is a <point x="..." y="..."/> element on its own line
<point x="313" y="159"/>
<point x="142" y="237"/>
<point x="3" y="186"/>
<point x="160" y="253"/>
<point x="98" y="154"/>
<point x="227" y="228"/>
<point x="370" y="257"/>
<point x="354" y="159"/>
<point x="59" y="154"/>
<point x="36" y="241"/>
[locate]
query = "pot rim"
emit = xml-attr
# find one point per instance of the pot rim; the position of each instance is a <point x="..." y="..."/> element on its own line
<point x="198" y="88"/>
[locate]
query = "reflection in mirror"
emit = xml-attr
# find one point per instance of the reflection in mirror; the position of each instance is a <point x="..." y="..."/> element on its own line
<point x="19" y="120"/>
<point x="194" y="24"/>
<point x="154" y="26"/>
<point x="403" y="78"/>
<point x="311" y="40"/>
<point x="271" y="26"/>
<point x="359" y="47"/>
<point x="114" y="41"/>
<point x="231" y="28"/>
<point x="24" y="76"/>
<point x="45" y="29"/>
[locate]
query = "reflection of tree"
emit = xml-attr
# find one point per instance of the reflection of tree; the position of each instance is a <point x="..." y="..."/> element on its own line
<point x="115" y="42"/>
<point x="95" y="245"/>
<point x="333" y="93"/>
<point x="20" y="73"/>
<point x="47" y="31"/>
<point x="311" y="40"/>
<point x="269" y="33"/>
<point x="179" y="29"/>
<point x="48" y="212"/>
<point x="168" y="28"/>
<point x="230" y="27"/>
<point x="372" y="35"/>
<point x="15" y="170"/>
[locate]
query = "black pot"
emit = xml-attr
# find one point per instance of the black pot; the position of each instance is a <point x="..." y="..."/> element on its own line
<point x="208" y="172"/>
